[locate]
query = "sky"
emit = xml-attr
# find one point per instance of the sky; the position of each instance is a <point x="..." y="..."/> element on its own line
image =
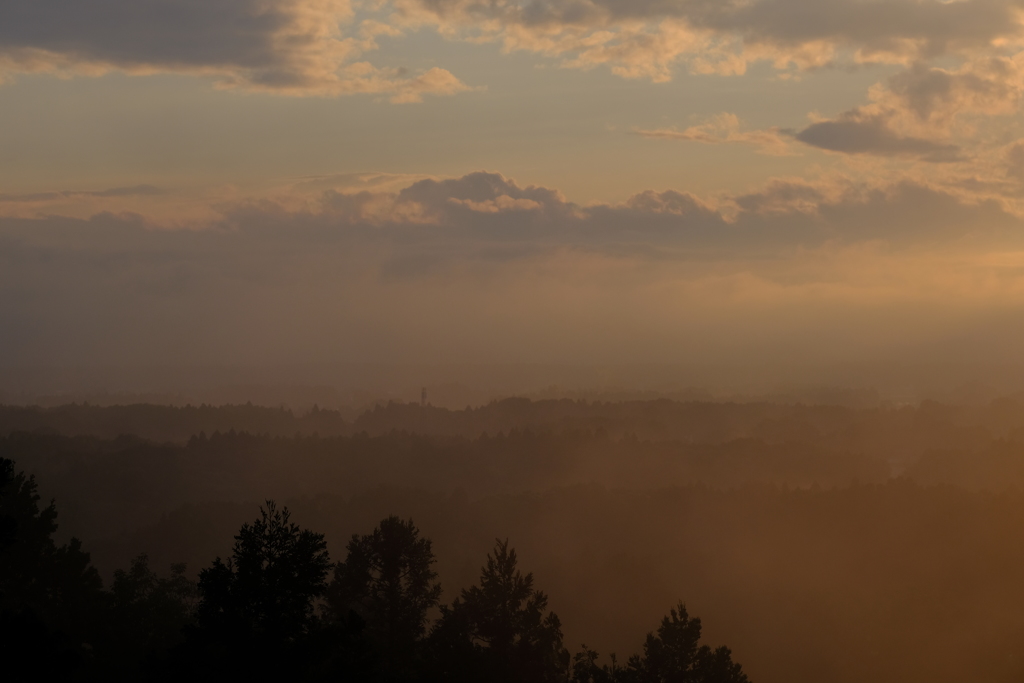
<point x="799" y="183"/>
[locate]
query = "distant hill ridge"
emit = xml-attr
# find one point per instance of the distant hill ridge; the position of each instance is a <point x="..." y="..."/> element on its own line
<point x="892" y="430"/>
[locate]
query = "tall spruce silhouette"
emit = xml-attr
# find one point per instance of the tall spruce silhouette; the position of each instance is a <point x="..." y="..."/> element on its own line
<point x="388" y="581"/>
<point x="256" y="615"/>
<point x="500" y="630"/>
<point x="674" y="654"/>
<point x="51" y="600"/>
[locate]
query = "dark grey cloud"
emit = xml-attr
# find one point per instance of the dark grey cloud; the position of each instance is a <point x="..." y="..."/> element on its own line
<point x="154" y="33"/>
<point x="873" y="24"/>
<point x="854" y="133"/>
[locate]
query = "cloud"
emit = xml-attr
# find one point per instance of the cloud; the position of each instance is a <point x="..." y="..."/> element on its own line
<point x="295" y="47"/>
<point x="473" y="213"/>
<point x="725" y="128"/>
<point x="893" y="27"/>
<point x="786" y="197"/>
<point x="647" y="38"/>
<point x="925" y="112"/>
<point x="314" y="47"/>
<point x="1014" y="160"/>
<point x="482" y="268"/>
<point x="903" y="213"/>
<point x="857" y="133"/>
<point x="133" y="191"/>
<point x="988" y="86"/>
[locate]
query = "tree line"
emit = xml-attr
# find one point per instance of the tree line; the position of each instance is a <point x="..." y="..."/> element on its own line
<point x="882" y="431"/>
<point x="279" y="607"/>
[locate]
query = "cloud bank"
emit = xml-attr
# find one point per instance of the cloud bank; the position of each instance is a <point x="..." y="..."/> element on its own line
<point x="483" y="269"/>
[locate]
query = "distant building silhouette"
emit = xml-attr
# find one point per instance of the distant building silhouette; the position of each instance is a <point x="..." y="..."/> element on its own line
<point x="423" y="396"/>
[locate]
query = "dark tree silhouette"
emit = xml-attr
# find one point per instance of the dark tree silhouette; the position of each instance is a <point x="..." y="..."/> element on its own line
<point x="275" y="573"/>
<point x="147" y="615"/>
<point x="585" y="668"/>
<point x="51" y="599"/>
<point x="254" y="616"/>
<point x="388" y="580"/>
<point x="672" y="655"/>
<point x="8" y="524"/>
<point x="499" y="631"/>
<point x="256" y="611"/>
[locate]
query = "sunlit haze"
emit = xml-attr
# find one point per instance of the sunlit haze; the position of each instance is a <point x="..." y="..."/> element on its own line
<point x="512" y="341"/>
<point x="804" y="185"/>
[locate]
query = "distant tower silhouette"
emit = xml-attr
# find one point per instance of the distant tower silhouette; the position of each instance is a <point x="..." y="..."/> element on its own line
<point x="423" y="397"/>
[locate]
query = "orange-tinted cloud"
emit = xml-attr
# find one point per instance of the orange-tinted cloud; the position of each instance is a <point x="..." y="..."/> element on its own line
<point x="292" y="47"/>
<point x="725" y="128"/>
<point x="648" y="38"/>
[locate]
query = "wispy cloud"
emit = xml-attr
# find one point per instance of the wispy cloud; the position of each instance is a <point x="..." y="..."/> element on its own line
<point x="725" y="128"/>
<point x="133" y="191"/>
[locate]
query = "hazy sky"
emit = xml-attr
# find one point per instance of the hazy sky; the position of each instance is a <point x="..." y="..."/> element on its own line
<point x="218" y="181"/>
